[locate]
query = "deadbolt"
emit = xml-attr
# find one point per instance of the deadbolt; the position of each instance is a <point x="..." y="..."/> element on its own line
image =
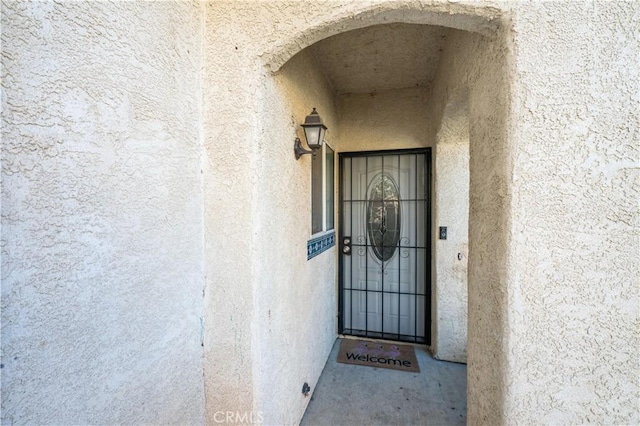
<point x="346" y="245"/>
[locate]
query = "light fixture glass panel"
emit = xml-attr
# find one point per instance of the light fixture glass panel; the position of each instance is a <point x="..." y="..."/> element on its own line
<point x="321" y="137"/>
<point x="312" y="134"/>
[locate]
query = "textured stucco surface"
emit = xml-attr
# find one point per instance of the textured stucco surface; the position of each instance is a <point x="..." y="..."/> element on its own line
<point x="573" y="289"/>
<point x="111" y="231"/>
<point x="381" y="57"/>
<point x="245" y="243"/>
<point x="473" y="67"/>
<point x="390" y="119"/>
<point x="451" y="209"/>
<point x="229" y="127"/>
<point x="296" y="309"/>
<point x="102" y="248"/>
<point x="279" y="318"/>
<point x="301" y="25"/>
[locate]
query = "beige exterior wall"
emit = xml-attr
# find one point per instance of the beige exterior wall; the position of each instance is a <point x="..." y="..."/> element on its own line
<point x="573" y="289"/>
<point x="102" y="253"/>
<point x="472" y="80"/>
<point x="140" y="167"/>
<point x="296" y="309"/>
<point x="451" y="209"/>
<point x="231" y="89"/>
<point x="272" y="312"/>
<point x="492" y="226"/>
<point x="493" y="64"/>
<point x="390" y="119"/>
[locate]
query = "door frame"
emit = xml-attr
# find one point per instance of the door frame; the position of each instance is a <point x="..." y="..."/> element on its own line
<point x="340" y="224"/>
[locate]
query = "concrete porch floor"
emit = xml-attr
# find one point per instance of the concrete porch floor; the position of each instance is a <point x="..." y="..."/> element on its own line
<point x="360" y="395"/>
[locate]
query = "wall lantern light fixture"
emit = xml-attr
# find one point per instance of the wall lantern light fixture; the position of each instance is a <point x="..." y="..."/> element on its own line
<point x="314" y="130"/>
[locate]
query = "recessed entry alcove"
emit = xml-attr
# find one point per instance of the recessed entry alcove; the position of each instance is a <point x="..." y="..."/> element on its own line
<point x="437" y="93"/>
<point x="161" y="262"/>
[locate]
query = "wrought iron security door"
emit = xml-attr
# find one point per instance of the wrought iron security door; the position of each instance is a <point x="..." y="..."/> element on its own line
<point x="385" y="260"/>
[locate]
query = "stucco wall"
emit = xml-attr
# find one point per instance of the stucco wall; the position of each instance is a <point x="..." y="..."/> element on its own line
<point x="473" y="70"/>
<point x="295" y="314"/>
<point x="102" y="238"/>
<point x="574" y="267"/>
<point x="271" y="313"/>
<point x="389" y="119"/>
<point x="451" y="209"/>
<point x="231" y="85"/>
<point x="233" y="94"/>
<point x="102" y="273"/>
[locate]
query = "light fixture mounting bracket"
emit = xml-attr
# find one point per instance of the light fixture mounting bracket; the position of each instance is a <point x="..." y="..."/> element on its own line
<point x="299" y="150"/>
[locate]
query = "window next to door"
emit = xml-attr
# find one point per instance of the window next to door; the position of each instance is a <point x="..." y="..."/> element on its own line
<point x="322" y="191"/>
<point x="322" y="201"/>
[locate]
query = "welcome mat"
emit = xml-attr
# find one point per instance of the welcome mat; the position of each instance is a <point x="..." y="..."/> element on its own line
<point x="376" y="354"/>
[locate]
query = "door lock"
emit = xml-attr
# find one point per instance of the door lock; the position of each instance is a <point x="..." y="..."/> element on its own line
<point x="346" y="246"/>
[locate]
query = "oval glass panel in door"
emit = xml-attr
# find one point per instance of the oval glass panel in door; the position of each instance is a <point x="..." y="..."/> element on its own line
<point x="383" y="216"/>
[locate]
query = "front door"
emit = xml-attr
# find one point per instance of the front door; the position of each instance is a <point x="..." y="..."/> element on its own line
<point x="385" y="278"/>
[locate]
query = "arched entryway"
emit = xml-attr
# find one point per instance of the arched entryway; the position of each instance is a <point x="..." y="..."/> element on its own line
<point x="463" y="104"/>
<point x="269" y="305"/>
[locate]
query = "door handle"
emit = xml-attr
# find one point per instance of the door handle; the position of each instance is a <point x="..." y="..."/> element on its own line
<point x="346" y="246"/>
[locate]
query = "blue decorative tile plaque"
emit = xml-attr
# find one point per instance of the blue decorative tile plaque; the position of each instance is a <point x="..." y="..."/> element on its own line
<point x="322" y="243"/>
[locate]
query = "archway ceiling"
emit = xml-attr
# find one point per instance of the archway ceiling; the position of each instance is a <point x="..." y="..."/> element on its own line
<point x="381" y="57"/>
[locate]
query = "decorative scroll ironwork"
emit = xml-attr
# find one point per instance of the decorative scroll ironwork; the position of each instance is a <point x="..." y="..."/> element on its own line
<point x="383" y="216"/>
<point x="384" y="286"/>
